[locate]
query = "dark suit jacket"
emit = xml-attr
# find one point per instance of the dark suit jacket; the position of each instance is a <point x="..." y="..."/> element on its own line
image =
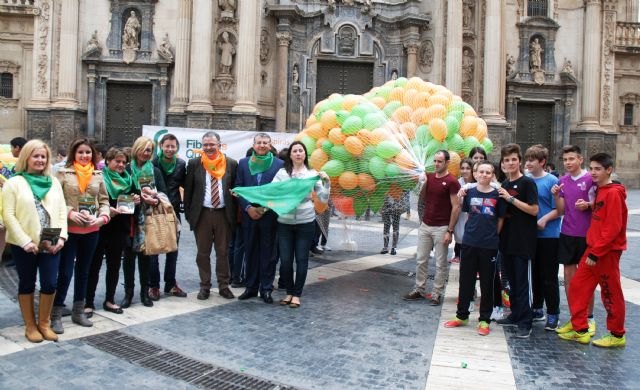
<point x="194" y="191"/>
<point x="245" y="179"/>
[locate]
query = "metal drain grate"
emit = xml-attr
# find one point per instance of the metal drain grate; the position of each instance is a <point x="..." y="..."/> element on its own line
<point x="175" y="365"/>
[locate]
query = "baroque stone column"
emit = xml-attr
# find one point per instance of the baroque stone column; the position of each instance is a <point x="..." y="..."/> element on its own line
<point x="493" y="74"/>
<point x="591" y="68"/>
<point x="412" y="57"/>
<point x="68" y="70"/>
<point x="247" y="56"/>
<point x="199" y="99"/>
<point x="284" y="39"/>
<point x="180" y="81"/>
<point x="453" y="69"/>
<point x="91" y="100"/>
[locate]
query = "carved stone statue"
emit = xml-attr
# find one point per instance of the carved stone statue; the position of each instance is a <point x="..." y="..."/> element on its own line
<point x="535" y="55"/>
<point x="567" y="68"/>
<point x="227" y="51"/>
<point x="130" y="33"/>
<point x="425" y="56"/>
<point x="467" y="15"/>
<point x="295" y="75"/>
<point x="467" y="69"/>
<point x="367" y="6"/>
<point x="511" y="65"/>
<point x="228" y="8"/>
<point x="164" y="50"/>
<point x="93" y="46"/>
<point x="394" y="74"/>
<point x="265" y="49"/>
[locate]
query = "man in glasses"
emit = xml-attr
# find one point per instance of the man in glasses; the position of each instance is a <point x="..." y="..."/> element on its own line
<point x="441" y="209"/>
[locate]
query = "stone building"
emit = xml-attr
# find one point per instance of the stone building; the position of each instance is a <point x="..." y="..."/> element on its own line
<point x="538" y="71"/>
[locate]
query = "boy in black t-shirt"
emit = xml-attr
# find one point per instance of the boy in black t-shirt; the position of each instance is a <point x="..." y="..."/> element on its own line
<point x="518" y="238"/>
<point x="479" y="248"/>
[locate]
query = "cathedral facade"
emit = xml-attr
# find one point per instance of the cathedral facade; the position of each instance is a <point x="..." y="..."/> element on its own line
<point x="538" y="71"/>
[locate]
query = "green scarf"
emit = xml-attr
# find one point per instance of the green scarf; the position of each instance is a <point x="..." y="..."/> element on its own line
<point x="282" y="196"/>
<point x="167" y="167"/>
<point x="259" y="164"/>
<point x="116" y="183"/>
<point x="137" y="173"/>
<point x="40" y="184"/>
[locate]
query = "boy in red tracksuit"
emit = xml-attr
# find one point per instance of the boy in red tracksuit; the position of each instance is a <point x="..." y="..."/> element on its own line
<point x="600" y="264"/>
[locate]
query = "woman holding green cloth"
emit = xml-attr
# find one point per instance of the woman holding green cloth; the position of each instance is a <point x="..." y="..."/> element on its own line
<point x="147" y="182"/>
<point x="117" y="233"/>
<point x="32" y="201"/>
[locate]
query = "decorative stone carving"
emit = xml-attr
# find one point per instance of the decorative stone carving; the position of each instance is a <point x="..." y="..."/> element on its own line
<point x="367" y="6"/>
<point x="224" y="86"/>
<point x="228" y="8"/>
<point x="130" y="42"/>
<point x="347" y="41"/>
<point x="295" y="75"/>
<point x="511" y="66"/>
<point x="165" y="49"/>
<point x="425" y="56"/>
<point x="265" y="47"/>
<point x="467" y="16"/>
<point x="227" y="51"/>
<point x="94" y="48"/>
<point x="567" y="68"/>
<point x="467" y="69"/>
<point x="608" y="62"/>
<point x="43" y="58"/>
<point x="535" y="55"/>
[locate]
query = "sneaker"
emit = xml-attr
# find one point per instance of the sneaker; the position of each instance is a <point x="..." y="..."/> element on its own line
<point x="538" y="315"/>
<point x="552" y="322"/>
<point x="472" y="306"/>
<point x="454" y="260"/>
<point x="497" y="313"/>
<point x="505" y="299"/>
<point x="523" y="333"/>
<point x="384" y="251"/>
<point x="592" y="327"/>
<point x="393" y="252"/>
<point x="572" y="335"/>
<point x="454" y="323"/>
<point x="316" y="250"/>
<point x="325" y="247"/>
<point x="483" y="328"/>
<point x="506" y="322"/>
<point x="566" y="328"/>
<point x="176" y="291"/>
<point x="154" y="294"/>
<point x="610" y="341"/>
<point x="414" y="295"/>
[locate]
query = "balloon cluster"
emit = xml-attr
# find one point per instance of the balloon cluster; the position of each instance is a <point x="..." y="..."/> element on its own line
<point x="377" y="144"/>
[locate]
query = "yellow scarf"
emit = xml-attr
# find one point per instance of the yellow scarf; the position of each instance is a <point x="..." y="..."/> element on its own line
<point x="216" y="167"/>
<point x="84" y="174"/>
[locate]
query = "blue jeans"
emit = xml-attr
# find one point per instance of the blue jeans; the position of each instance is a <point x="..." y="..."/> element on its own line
<point x="294" y="240"/>
<point x="169" y="270"/>
<point x="28" y="265"/>
<point x="81" y="248"/>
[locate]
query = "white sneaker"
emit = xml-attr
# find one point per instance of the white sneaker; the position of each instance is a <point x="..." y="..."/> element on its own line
<point x="326" y="247"/>
<point x="472" y="306"/>
<point x="497" y="313"/>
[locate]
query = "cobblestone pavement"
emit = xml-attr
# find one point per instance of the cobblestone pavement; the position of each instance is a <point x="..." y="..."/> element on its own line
<point x="353" y="331"/>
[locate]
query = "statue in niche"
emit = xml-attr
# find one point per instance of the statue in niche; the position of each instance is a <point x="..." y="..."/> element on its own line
<point x="394" y="74"/>
<point x="93" y="46"/>
<point x="567" y="68"/>
<point x="535" y="55"/>
<point x="511" y="65"/>
<point x="467" y="15"/>
<point x="227" y="7"/>
<point x="467" y="69"/>
<point x="131" y="31"/>
<point x="164" y="50"/>
<point x="295" y="75"/>
<point x="346" y="42"/>
<point x="227" y="51"/>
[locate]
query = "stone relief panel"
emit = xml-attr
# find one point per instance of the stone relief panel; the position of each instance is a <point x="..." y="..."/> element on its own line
<point x="425" y="56"/>
<point x="467" y="15"/>
<point x="44" y="16"/>
<point x="608" y="41"/>
<point x="346" y="41"/>
<point x="468" y="67"/>
<point x="265" y="47"/>
<point x="227" y="9"/>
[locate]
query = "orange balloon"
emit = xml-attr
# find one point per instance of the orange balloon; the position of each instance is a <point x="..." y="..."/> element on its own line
<point x="344" y="205"/>
<point x="418" y="116"/>
<point x="409" y="97"/>
<point x="348" y="180"/>
<point x="468" y="126"/>
<point x="380" y="134"/>
<point x="366" y="182"/>
<point x="481" y="130"/>
<point x="414" y="83"/>
<point x="317" y="130"/>
<point x="402" y="114"/>
<point x="320" y="207"/>
<point x="436" y="111"/>
<point x="379" y="102"/>
<point x="438" y="129"/>
<point x="350" y="101"/>
<point x="404" y="160"/>
<point x="300" y="135"/>
<point x="454" y="163"/>
<point x="420" y="100"/>
<point x="318" y="158"/>
<point x="409" y="130"/>
<point x="438" y="99"/>
<point x="366" y="137"/>
<point x="310" y="121"/>
<point x="336" y="137"/>
<point x="354" y="145"/>
<point x="395" y="191"/>
<point x="470" y="112"/>
<point x="320" y="141"/>
<point x="329" y="120"/>
<point x="396" y="94"/>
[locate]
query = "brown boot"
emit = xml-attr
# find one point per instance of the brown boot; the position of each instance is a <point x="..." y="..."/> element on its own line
<point x="44" y="315"/>
<point x="29" y="316"/>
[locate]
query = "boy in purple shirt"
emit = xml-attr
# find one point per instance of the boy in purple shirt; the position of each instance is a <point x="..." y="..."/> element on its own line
<point x="574" y="195"/>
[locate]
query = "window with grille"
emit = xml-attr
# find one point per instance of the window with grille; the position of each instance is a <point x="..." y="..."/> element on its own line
<point x="537" y="7"/>
<point x="628" y="114"/>
<point x="6" y="85"/>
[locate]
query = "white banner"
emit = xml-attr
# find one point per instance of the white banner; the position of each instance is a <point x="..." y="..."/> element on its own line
<point x="235" y="143"/>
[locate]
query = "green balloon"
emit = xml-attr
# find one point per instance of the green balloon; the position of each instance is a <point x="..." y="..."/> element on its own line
<point x="470" y="143"/>
<point x="323" y="106"/>
<point x="333" y="168"/>
<point x="360" y="205"/>
<point x="401" y="81"/>
<point x="376" y="202"/>
<point x="351" y="165"/>
<point x="487" y="145"/>
<point x="369" y="151"/>
<point x="363" y="108"/>
<point x="457" y="106"/>
<point x="326" y="146"/>
<point x="388" y="149"/>
<point x="407" y="183"/>
<point x="384" y="92"/>
<point x="377" y="167"/>
<point x="453" y="125"/>
<point x="351" y="193"/>
<point x="342" y="116"/>
<point x="338" y="152"/>
<point x="392" y="170"/>
<point x="432" y="147"/>
<point x="363" y="166"/>
<point x="445" y="145"/>
<point x="309" y="143"/>
<point x="457" y="114"/>
<point x="456" y="143"/>
<point x="336" y="103"/>
<point x="391" y="107"/>
<point x="352" y="125"/>
<point x="374" y="120"/>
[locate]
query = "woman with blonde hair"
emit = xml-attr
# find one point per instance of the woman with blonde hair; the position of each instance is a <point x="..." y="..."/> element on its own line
<point x="33" y="204"/>
<point x="147" y="181"/>
<point x="87" y="211"/>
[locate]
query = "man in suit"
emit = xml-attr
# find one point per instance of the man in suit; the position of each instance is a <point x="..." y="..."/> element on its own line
<point x="259" y="224"/>
<point x="210" y="210"/>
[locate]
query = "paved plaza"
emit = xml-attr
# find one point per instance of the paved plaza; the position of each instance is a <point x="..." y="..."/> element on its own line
<point x="353" y="331"/>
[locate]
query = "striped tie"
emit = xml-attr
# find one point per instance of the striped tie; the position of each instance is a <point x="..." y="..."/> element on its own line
<point x="215" y="193"/>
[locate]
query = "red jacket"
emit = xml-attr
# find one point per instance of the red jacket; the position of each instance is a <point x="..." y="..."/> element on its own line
<point x="608" y="230"/>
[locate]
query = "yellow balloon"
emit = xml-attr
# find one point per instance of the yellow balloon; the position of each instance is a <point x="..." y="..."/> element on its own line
<point x="436" y="111"/>
<point x="402" y="114"/>
<point x="438" y="129"/>
<point x="454" y="163"/>
<point x="328" y="120"/>
<point x="438" y="99"/>
<point x="409" y="96"/>
<point x="414" y="83"/>
<point x="468" y="126"/>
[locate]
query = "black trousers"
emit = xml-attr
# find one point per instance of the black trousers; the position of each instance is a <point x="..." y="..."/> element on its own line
<point x="545" y="276"/>
<point x="477" y="261"/>
<point x="111" y="245"/>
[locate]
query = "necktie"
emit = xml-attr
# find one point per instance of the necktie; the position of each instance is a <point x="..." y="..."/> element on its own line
<point x="215" y="193"/>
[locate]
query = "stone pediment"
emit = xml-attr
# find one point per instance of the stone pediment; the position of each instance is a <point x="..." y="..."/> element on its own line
<point x="539" y="22"/>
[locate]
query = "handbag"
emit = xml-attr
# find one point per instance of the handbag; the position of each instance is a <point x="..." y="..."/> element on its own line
<point x="161" y="229"/>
